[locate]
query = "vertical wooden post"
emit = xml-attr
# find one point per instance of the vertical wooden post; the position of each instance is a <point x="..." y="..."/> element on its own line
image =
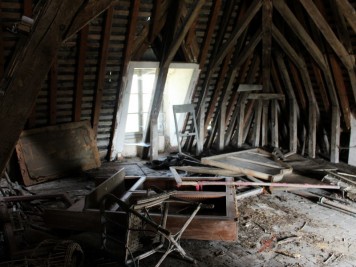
<point x="53" y="86"/>
<point x="264" y="140"/>
<point x="222" y="126"/>
<point x="275" y="133"/>
<point x="258" y="115"/>
<point x="241" y="119"/>
<point x="335" y="135"/>
<point x="352" y="146"/>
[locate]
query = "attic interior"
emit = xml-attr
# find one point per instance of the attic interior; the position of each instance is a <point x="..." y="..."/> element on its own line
<point x="239" y="114"/>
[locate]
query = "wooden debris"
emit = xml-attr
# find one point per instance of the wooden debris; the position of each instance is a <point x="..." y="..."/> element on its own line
<point x="288" y="254"/>
<point x="287" y="240"/>
<point x="208" y="170"/>
<point x="254" y="162"/>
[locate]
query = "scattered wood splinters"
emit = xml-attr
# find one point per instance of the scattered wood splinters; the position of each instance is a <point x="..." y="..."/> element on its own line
<point x="288" y="254"/>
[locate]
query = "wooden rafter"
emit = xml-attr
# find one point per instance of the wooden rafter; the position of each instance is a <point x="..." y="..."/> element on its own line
<point x="100" y="79"/>
<point x="267" y="11"/>
<point x="321" y="86"/>
<point x="37" y="55"/>
<point x="79" y="77"/>
<point x="118" y="110"/>
<point x="348" y="11"/>
<point x="347" y="59"/>
<point x="293" y="139"/>
<point x="170" y="51"/>
<point x="239" y="29"/>
<point x="342" y="90"/>
<point x="298" y="86"/>
<point x="52" y="94"/>
<point x="155" y="19"/>
<point x="209" y="34"/>
<point x="91" y="10"/>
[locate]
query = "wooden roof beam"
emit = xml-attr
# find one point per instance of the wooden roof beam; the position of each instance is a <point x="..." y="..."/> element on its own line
<point x="347" y="59"/>
<point x="88" y="12"/>
<point x="267" y="11"/>
<point x="239" y="29"/>
<point x="100" y="79"/>
<point x="37" y="54"/>
<point x="348" y="11"/>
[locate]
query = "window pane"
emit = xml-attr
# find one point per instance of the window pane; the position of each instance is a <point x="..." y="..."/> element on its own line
<point x="132" y="123"/>
<point x="133" y="104"/>
<point x="147" y="83"/>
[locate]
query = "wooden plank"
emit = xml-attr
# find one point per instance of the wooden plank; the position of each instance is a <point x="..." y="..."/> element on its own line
<point x="52" y="94"/>
<point x="36" y="58"/>
<point x="264" y="129"/>
<point x="207" y="170"/>
<point x="54" y="151"/>
<point x="352" y="143"/>
<point x="234" y="162"/>
<point x="267" y="11"/>
<point x="266" y="96"/>
<point x="79" y="77"/>
<point x="100" y="79"/>
<point x="89" y="11"/>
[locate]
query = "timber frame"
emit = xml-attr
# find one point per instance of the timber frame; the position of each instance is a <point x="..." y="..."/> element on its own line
<point x="73" y="65"/>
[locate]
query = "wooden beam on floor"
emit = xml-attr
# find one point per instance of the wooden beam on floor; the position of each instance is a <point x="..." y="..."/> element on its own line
<point x="347" y="59"/>
<point x="100" y="79"/>
<point x="79" y="77"/>
<point x="37" y="54"/>
<point x="52" y="94"/>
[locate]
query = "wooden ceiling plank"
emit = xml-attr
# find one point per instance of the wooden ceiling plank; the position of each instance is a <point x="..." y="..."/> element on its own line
<point x="90" y="11"/>
<point x="215" y="10"/>
<point x="79" y="77"/>
<point x="52" y="94"/>
<point x="37" y="55"/>
<point x="267" y="11"/>
<point x="100" y="79"/>
<point x="342" y="90"/>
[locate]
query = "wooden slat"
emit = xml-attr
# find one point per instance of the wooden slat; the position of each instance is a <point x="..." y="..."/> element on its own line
<point x="257" y="126"/>
<point x="275" y="128"/>
<point x="100" y="80"/>
<point x="36" y="59"/>
<point x="79" y="77"/>
<point x="267" y="11"/>
<point x="53" y="87"/>
<point x="264" y="126"/>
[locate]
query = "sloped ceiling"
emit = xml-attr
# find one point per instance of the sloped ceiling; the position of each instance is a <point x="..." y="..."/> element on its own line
<point x="301" y="49"/>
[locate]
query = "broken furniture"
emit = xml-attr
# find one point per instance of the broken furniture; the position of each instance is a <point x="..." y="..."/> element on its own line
<point x="187" y="108"/>
<point x="254" y="162"/>
<point x="52" y="152"/>
<point x="216" y="224"/>
<point x="141" y="228"/>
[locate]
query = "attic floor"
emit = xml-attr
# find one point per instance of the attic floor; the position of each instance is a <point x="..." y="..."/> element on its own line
<point x="318" y="236"/>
